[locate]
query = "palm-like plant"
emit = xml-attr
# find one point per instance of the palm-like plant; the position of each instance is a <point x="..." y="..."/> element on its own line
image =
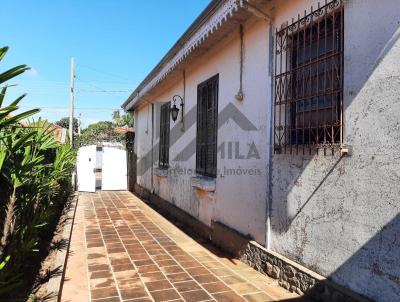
<point x="6" y="111"/>
<point x="8" y="120"/>
<point x="35" y="173"/>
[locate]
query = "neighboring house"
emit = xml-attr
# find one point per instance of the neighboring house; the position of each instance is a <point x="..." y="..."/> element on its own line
<point x="289" y="136"/>
<point x="124" y="130"/>
<point x="59" y="132"/>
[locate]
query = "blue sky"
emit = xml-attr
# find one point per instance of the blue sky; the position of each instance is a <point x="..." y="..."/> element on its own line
<point x="115" y="44"/>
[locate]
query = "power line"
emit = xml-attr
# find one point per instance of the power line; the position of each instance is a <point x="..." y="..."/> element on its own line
<point x="62" y="84"/>
<point x="43" y="87"/>
<point x="104" y="72"/>
<point x="67" y="108"/>
<point x="107" y="91"/>
<point x="43" y="81"/>
<point x="77" y="91"/>
<point x="98" y="89"/>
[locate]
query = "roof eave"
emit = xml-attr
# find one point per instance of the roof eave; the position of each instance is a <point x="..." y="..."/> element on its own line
<point x="213" y="18"/>
<point x="200" y="20"/>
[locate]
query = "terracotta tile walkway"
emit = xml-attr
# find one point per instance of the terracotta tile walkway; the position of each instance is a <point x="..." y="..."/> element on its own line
<point x="122" y="250"/>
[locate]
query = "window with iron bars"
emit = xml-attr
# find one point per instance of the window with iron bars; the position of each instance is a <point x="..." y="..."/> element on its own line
<point x="309" y="81"/>
<point x="164" y="136"/>
<point x="207" y="127"/>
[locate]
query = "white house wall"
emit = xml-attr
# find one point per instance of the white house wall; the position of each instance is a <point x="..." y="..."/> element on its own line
<point x="337" y="216"/>
<point x="239" y="201"/>
<point x="143" y="138"/>
<point x="340" y="217"/>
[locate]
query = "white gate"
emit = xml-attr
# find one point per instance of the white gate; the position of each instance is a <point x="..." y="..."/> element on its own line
<point x="114" y="169"/>
<point x="86" y="169"/>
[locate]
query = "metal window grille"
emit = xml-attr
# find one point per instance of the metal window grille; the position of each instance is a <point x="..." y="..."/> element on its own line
<point x="164" y="135"/>
<point x="309" y="81"/>
<point x="207" y="127"/>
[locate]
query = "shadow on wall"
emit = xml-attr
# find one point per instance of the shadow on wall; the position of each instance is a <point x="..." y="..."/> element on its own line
<point x="375" y="38"/>
<point x="365" y="63"/>
<point x="383" y="250"/>
<point x="229" y="244"/>
<point x="339" y="216"/>
<point x="385" y="247"/>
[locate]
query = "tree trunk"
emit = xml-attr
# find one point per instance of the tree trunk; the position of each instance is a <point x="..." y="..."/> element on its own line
<point x="9" y="224"/>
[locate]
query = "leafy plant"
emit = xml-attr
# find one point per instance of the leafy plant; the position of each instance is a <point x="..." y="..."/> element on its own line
<point x="99" y="132"/>
<point x="35" y="175"/>
<point x="5" y="112"/>
<point x="64" y="122"/>
<point x="122" y="120"/>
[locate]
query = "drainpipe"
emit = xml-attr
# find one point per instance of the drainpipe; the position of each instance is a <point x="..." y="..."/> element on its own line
<point x="184" y="101"/>
<point x="151" y="104"/>
<point x="152" y="148"/>
<point x="271" y="133"/>
<point x="147" y="120"/>
<point x="261" y="14"/>
<point x="239" y="96"/>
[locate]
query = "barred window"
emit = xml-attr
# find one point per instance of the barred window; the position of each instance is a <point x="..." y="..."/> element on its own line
<point x="309" y="81"/>
<point x="164" y="136"/>
<point x="207" y="127"/>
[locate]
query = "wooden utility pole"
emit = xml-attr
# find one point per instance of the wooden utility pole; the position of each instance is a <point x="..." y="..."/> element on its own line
<point x="79" y="124"/>
<point x="71" y="105"/>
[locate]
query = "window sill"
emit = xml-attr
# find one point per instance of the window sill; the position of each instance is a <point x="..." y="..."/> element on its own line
<point x="204" y="183"/>
<point x="161" y="172"/>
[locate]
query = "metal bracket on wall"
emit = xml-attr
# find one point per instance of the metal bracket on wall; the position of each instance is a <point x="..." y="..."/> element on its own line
<point x="256" y="11"/>
<point x="346" y="150"/>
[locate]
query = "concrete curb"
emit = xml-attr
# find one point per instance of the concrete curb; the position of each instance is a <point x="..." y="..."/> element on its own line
<point x="295" y="277"/>
<point x="55" y="284"/>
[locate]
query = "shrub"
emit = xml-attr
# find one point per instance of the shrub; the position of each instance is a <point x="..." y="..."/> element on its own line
<point x="35" y="182"/>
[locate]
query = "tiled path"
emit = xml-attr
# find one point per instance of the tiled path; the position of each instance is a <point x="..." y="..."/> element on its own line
<point x="122" y="250"/>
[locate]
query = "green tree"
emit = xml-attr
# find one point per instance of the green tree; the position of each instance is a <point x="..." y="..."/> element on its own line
<point x="99" y="132"/>
<point x="64" y="122"/>
<point x="101" y="129"/>
<point x="122" y="120"/>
